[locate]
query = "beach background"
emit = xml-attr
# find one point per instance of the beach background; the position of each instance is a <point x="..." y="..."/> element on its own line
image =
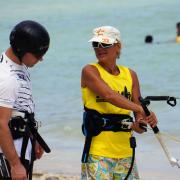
<point x="56" y="81"/>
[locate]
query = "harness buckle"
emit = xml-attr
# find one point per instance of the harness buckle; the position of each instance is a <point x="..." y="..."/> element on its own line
<point x="104" y="122"/>
<point x="126" y="123"/>
<point x="21" y="129"/>
<point x="38" y="124"/>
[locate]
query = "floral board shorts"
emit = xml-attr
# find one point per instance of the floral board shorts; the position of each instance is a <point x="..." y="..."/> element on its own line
<point x="101" y="168"/>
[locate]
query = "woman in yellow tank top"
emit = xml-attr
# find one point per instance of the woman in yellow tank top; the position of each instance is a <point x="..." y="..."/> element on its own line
<point x="178" y="32"/>
<point x="109" y="88"/>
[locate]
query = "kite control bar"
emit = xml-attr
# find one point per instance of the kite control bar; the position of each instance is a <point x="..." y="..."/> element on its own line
<point x="172" y="102"/>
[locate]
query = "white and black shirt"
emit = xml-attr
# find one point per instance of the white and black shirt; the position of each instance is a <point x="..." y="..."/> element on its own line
<point x="15" y="86"/>
<point x="16" y="91"/>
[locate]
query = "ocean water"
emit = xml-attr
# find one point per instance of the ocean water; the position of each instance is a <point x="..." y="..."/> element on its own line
<point x="56" y="81"/>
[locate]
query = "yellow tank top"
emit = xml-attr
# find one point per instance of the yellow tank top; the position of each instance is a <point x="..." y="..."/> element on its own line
<point x="107" y="143"/>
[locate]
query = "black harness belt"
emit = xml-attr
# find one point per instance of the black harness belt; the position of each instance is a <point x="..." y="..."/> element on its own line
<point x="19" y="127"/>
<point x="94" y="123"/>
<point x="23" y="125"/>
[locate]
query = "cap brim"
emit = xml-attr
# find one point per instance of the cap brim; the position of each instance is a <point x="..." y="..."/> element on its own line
<point x="103" y="39"/>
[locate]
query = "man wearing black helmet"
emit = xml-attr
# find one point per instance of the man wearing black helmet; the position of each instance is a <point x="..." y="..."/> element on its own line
<point x="29" y="42"/>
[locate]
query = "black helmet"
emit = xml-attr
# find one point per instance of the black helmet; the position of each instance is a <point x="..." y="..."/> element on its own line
<point x="29" y="36"/>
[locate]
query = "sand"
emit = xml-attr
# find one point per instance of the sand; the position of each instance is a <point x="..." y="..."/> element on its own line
<point x="66" y="164"/>
<point x="49" y="176"/>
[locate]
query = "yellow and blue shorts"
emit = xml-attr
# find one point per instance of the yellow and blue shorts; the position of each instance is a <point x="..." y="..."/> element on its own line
<point x="101" y="168"/>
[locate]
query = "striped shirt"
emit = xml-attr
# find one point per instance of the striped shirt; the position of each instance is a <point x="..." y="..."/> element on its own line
<point x="16" y="92"/>
<point x="15" y="86"/>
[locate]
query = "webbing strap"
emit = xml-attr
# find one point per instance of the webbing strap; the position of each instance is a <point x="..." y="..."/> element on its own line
<point x="33" y="141"/>
<point x="24" y="146"/>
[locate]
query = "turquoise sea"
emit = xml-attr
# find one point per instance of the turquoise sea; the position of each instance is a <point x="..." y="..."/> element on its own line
<point x="56" y="81"/>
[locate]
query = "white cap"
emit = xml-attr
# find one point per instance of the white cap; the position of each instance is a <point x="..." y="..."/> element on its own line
<point x="106" y="34"/>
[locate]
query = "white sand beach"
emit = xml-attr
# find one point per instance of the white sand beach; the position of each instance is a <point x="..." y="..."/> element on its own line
<point x="151" y="165"/>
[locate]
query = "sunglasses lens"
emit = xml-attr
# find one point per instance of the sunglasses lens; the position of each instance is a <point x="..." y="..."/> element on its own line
<point x="102" y="45"/>
<point x="95" y="44"/>
<point x="106" y="45"/>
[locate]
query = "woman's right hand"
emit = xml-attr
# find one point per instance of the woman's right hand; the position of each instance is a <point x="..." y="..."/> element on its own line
<point x="151" y="119"/>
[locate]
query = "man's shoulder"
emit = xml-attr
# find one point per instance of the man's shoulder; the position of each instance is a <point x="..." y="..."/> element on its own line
<point x="7" y="71"/>
<point x="7" y="79"/>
